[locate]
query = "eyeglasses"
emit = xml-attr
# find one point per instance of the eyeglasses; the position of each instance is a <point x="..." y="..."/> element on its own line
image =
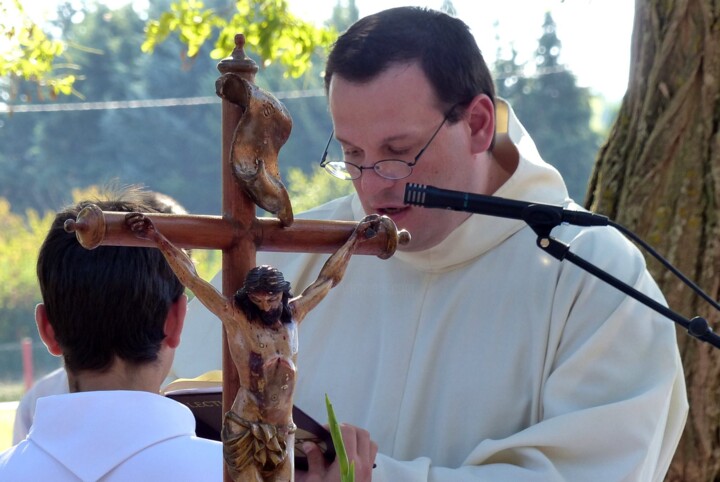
<point x="393" y="169"/>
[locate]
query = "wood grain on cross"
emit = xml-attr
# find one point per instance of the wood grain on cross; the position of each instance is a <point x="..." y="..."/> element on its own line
<point x="237" y="232"/>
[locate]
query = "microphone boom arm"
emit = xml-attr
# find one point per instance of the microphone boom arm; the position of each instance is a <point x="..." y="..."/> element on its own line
<point x="698" y="327"/>
<point x="543" y="218"/>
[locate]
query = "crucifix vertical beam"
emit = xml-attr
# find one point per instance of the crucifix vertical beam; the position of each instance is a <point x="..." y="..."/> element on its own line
<point x="237" y="207"/>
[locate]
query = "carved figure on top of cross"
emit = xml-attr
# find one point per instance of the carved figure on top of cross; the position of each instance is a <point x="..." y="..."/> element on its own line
<point x="264" y="127"/>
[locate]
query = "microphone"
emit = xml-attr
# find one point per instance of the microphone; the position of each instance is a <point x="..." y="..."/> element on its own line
<point x="534" y="214"/>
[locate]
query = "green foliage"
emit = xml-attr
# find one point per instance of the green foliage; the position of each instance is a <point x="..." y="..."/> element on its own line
<point x="347" y="470"/>
<point x="26" y="52"/>
<point x="20" y="239"/>
<point x="174" y="149"/>
<point x="11" y="392"/>
<point x="344" y="16"/>
<point x="29" y="53"/>
<point x="554" y="110"/>
<point x="309" y="191"/>
<point x="189" y="19"/>
<point x="207" y="263"/>
<point x="268" y="26"/>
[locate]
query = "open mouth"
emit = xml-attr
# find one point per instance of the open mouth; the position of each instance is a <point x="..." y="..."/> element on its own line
<point x="389" y="211"/>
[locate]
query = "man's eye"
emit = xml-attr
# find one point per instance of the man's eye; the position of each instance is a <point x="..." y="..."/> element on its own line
<point x="398" y="152"/>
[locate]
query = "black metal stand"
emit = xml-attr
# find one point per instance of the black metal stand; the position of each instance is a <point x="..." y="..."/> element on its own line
<point x="542" y="223"/>
<point x="543" y="218"/>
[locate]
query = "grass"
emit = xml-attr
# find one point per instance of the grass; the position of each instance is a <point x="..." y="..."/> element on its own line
<point x="9" y="392"/>
<point x="7" y="418"/>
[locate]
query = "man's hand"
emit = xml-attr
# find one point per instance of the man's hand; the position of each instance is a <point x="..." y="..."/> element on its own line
<point x="141" y="225"/>
<point x="360" y="449"/>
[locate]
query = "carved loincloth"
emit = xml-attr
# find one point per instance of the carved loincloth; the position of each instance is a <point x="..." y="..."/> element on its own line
<point x="256" y="443"/>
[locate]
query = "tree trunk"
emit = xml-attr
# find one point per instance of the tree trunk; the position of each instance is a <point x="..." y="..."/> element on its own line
<point x="659" y="175"/>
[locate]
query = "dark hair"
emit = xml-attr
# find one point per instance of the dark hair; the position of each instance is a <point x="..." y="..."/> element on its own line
<point x="443" y="45"/>
<point x="109" y="301"/>
<point x="266" y="279"/>
<point x="160" y="202"/>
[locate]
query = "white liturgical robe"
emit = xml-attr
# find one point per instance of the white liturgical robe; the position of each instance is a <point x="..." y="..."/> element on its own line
<point x="484" y="358"/>
<point x="112" y="436"/>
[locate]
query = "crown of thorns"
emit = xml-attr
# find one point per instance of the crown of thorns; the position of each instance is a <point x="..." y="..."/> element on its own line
<point x="265" y="278"/>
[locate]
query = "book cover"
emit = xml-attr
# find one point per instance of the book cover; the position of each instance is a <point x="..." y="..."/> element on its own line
<point x="203" y="396"/>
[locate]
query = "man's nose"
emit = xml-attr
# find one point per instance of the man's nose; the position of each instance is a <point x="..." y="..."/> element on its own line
<point x="371" y="181"/>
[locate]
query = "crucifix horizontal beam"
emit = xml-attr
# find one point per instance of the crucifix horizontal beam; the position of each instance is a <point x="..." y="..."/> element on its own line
<point x="107" y="228"/>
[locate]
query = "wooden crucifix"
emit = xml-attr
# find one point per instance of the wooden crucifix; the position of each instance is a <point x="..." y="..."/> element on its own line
<point x="237" y="232"/>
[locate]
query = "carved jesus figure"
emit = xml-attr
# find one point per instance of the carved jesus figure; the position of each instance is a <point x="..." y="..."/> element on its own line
<point x="261" y="322"/>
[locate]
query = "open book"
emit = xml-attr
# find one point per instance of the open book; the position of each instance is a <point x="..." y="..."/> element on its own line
<point x="203" y="396"/>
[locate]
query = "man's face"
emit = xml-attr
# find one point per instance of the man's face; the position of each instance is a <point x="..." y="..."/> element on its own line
<point x="269" y="304"/>
<point x="392" y="117"/>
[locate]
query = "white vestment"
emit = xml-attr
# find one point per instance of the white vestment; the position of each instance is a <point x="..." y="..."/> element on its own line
<point x="112" y="436"/>
<point x="484" y="358"/>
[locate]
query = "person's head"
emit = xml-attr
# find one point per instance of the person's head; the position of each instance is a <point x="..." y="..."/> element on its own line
<point x="161" y="203"/>
<point x="110" y="303"/>
<point x="393" y="79"/>
<point x="265" y="296"/>
<point x="440" y="44"/>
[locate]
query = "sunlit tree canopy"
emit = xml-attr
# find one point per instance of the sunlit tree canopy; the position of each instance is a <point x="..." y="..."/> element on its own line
<point x="27" y="52"/>
<point x="274" y="32"/>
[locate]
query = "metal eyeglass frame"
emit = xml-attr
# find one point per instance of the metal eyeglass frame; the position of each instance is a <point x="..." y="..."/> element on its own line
<point x="338" y="171"/>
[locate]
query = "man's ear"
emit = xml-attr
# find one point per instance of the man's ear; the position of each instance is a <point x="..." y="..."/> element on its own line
<point x="175" y="321"/>
<point x="482" y="123"/>
<point x="46" y="331"/>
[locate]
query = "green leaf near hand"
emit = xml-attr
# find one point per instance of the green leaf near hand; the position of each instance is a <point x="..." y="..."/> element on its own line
<point x="347" y="470"/>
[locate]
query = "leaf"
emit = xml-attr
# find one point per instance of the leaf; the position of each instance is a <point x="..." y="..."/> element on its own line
<point x="28" y="53"/>
<point x="270" y="30"/>
<point x="347" y="471"/>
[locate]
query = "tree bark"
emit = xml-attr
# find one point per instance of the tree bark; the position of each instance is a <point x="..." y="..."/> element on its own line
<point x="659" y="175"/>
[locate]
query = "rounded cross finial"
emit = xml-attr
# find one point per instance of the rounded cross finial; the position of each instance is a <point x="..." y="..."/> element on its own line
<point x="239" y="62"/>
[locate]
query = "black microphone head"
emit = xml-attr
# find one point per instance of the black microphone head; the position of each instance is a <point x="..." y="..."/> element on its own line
<point x="415" y="194"/>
